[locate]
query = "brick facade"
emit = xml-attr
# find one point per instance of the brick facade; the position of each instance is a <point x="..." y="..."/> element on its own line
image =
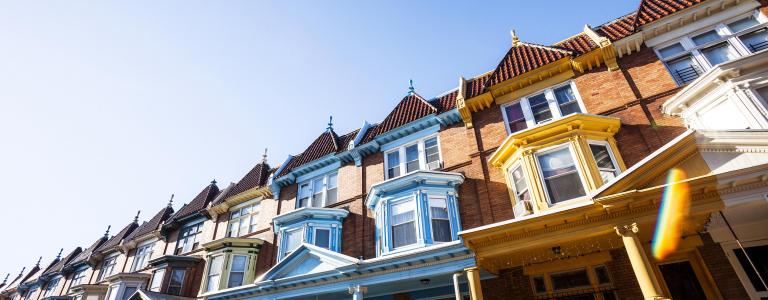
<point x="722" y="272"/>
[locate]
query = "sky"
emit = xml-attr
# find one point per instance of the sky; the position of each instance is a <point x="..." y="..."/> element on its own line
<point x="108" y="108"/>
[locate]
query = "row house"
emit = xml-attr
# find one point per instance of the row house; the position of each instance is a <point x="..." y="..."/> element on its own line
<point x="539" y="179"/>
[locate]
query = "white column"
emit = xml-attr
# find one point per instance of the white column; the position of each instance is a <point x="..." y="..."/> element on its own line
<point x="357" y="291"/>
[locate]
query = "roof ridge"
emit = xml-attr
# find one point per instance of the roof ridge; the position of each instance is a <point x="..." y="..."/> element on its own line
<point x="569" y="52"/>
<point x="617" y="19"/>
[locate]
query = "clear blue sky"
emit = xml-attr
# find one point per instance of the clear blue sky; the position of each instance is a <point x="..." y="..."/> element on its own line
<point x="108" y="108"/>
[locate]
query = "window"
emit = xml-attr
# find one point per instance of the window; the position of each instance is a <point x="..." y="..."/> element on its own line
<point x="188" y="239"/>
<point x="561" y="177"/>
<point x="403" y="223"/>
<point x="547" y="105"/>
<point x="575" y="284"/>
<point x="143" y="254"/>
<point x="237" y="272"/>
<point x="128" y="292"/>
<point x="293" y="239"/>
<point x="519" y="185"/>
<point x="323" y="238"/>
<point x="30" y="293"/>
<point x="214" y="273"/>
<point x="759" y="257"/>
<point x="423" y="154"/>
<point x="243" y="220"/>
<point x="176" y="282"/>
<point x="77" y="279"/>
<point x="318" y="192"/>
<point x="51" y="287"/>
<point x="687" y="58"/>
<point x="570" y="279"/>
<point x="107" y="267"/>
<point x="157" y="280"/>
<point x="441" y="224"/>
<point x="604" y="160"/>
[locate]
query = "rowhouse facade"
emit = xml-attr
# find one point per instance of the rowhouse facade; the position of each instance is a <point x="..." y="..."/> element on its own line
<point x="539" y="179"/>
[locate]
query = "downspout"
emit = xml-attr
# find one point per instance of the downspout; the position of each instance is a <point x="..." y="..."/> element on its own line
<point x="456" y="289"/>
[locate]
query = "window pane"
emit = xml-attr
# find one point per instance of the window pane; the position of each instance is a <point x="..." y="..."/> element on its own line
<point x="157" y="280"/>
<point x="515" y="117"/>
<point x="756" y="41"/>
<point x="403" y="224"/>
<point x="671" y="50"/>
<point x="292" y="240"/>
<point x="572" y="279"/>
<point x="540" y="108"/>
<point x="518" y="181"/>
<point x="560" y="175"/>
<point x="303" y="195"/>
<point x="538" y="284"/>
<point x="602" y="157"/>
<point x="684" y="69"/>
<point x="239" y="262"/>
<point x="566" y="99"/>
<point x="411" y="158"/>
<point x="128" y="292"/>
<point x="176" y="282"/>
<point x="237" y="272"/>
<point x="441" y="226"/>
<point x="709" y="36"/>
<point x="403" y="212"/>
<point x="742" y="24"/>
<point x="317" y="190"/>
<point x="602" y="275"/>
<point x="719" y="53"/>
<point x="759" y="257"/>
<point x="332" y="180"/>
<point x="393" y="163"/>
<point x="431" y="150"/>
<point x="323" y="238"/>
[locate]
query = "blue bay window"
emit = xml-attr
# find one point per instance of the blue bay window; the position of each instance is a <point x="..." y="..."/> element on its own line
<point x="416" y="210"/>
<point x="320" y="227"/>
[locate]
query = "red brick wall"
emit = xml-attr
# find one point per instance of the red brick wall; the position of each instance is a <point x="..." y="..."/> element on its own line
<point x="721" y="270"/>
<point x="622" y="276"/>
<point x="510" y="284"/>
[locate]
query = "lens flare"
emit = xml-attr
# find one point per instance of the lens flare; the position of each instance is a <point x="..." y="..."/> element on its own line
<point x="673" y="211"/>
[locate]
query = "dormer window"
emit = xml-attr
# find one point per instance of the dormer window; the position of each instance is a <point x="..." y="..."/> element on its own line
<point x="320" y="191"/>
<point x="188" y="238"/>
<point x="142" y="256"/>
<point x="243" y="219"/>
<point x="320" y="227"/>
<point x="547" y="105"/>
<point x="560" y="175"/>
<point x="422" y="154"/>
<point x="77" y="279"/>
<point x="107" y="267"/>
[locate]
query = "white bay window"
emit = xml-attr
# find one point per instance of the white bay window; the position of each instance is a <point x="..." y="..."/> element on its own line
<point x="543" y="106"/>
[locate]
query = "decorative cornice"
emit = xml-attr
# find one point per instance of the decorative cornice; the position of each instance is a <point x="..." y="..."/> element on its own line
<point x="308" y="214"/>
<point x="412" y="181"/>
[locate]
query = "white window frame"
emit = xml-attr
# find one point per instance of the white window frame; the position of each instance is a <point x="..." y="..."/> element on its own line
<point x="726" y="35"/>
<point x="416" y="225"/>
<point x="220" y="272"/>
<point x="141" y="258"/>
<point x="252" y="219"/>
<point x="189" y="239"/>
<point x="511" y="180"/>
<point x="314" y="235"/>
<point x="422" y="155"/>
<point x="232" y="264"/>
<point x="157" y="274"/>
<point x="729" y="248"/>
<point x="113" y="260"/>
<point x="607" y="145"/>
<point x="579" y="171"/>
<point x="310" y="186"/>
<point x="429" y="213"/>
<point x="554" y="106"/>
<point x="285" y="234"/>
<point x="77" y="279"/>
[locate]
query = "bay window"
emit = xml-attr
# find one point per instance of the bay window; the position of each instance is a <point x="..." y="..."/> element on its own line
<point x="107" y="267"/>
<point x="243" y="219"/>
<point x="606" y="164"/>
<point x="543" y="106"/>
<point x="177" y="281"/>
<point x="320" y="191"/>
<point x="688" y="57"/>
<point x="157" y="280"/>
<point x="214" y="273"/>
<point x="403" y="223"/>
<point x="560" y="175"/>
<point x="188" y="238"/>
<point x="440" y="221"/>
<point x="237" y="271"/>
<point x="316" y="226"/>
<point x="142" y="256"/>
<point x="423" y="154"/>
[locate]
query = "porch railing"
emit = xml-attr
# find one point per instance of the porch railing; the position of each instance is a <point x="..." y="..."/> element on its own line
<point x="605" y="293"/>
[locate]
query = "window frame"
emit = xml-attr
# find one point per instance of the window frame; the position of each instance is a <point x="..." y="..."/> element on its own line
<point x="422" y="155"/>
<point x="220" y="271"/>
<point x="553" y="105"/>
<point x="730" y="247"/>
<point x="253" y="218"/>
<point x="543" y="180"/>
<point x="448" y="218"/>
<point x="725" y="34"/>
<point x="314" y="235"/>
<point x="590" y="270"/>
<point x="284" y="239"/>
<point x="615" y="162"/>
<point x="311" y="189"/>
<point x="113" y="261"/>
<point x="77" y="279"/>
<point x="515" y="193"/>
<point x="181" y="284"/>
<point x="230" y="270"/>
<point x="183" y="239"/>
<point x="415" y="221"/>
<point x="51" y="285"/>
<point x="141" y="259"/>
<point x="159" y="273"/>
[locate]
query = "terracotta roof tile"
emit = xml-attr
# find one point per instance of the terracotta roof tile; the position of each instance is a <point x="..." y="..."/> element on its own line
<point x="475" y="86"/>
<point x="197" y="204"/>
<point x="151" y="225"/>
<point x="257" y="176"/>
<point x="523" y="58"/>
<point x="445" y="102"/>
<point x="411" y="108"/>
<point x="653" y="10"/>
<point x="59" y="265"/>
<point x="578" y="44"/>
<point x="327" y="143"/>
<point x="117" y="238"/>
<point x="619" y="28"/>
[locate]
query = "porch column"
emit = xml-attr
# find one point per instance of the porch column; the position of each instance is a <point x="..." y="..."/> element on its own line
<point x="473" y="277"/>
<point x="641" y="266"/>
<point x="357" y="291"/>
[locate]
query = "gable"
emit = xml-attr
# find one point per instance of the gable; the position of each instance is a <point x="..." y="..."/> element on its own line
<point x="308" y="260"/>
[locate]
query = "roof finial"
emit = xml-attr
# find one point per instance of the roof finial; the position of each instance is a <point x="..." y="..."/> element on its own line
<point x="106" y="234"/>
<point x="38" y="261"/>
<point x="59" y="256"/>
<point x="515" y="39"/>
<point x="264" y="157"/>
<point x="136" y="218"/>
<point x="330" y="123"/>
<point x="410" y="87"/>
<point x="22" y="271"/>
<point x="6" y="278"/>
<point x="170" y="202"/>
<point x="213" y="182"/>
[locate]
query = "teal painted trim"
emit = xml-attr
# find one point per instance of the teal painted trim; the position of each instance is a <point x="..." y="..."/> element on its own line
<point x="411" y="137"/>
<point x="426" y="227"/>
<point x="319" y="172"/>
<point x="453" y="213"/>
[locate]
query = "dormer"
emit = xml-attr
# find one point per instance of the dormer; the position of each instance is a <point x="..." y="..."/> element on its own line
<point x="558" y="163"/>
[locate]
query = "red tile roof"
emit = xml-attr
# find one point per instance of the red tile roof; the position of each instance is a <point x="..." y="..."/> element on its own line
<point x="197" y="204"/>
<point x="445" y="102"/>
<point x="257" y="176"/>
<point x="327" y="143"/>
<point x="59" y="265"/>
<point x="653" y="10"/>
<point x="153" y="223"/>
<point x="116" y="239"/>
<point x="523" y="58"/>
<point x="411" y="108"/>
<point x="475" y="86"/>
<point x="619" y="28"/>
<point x="578" y="44"/>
